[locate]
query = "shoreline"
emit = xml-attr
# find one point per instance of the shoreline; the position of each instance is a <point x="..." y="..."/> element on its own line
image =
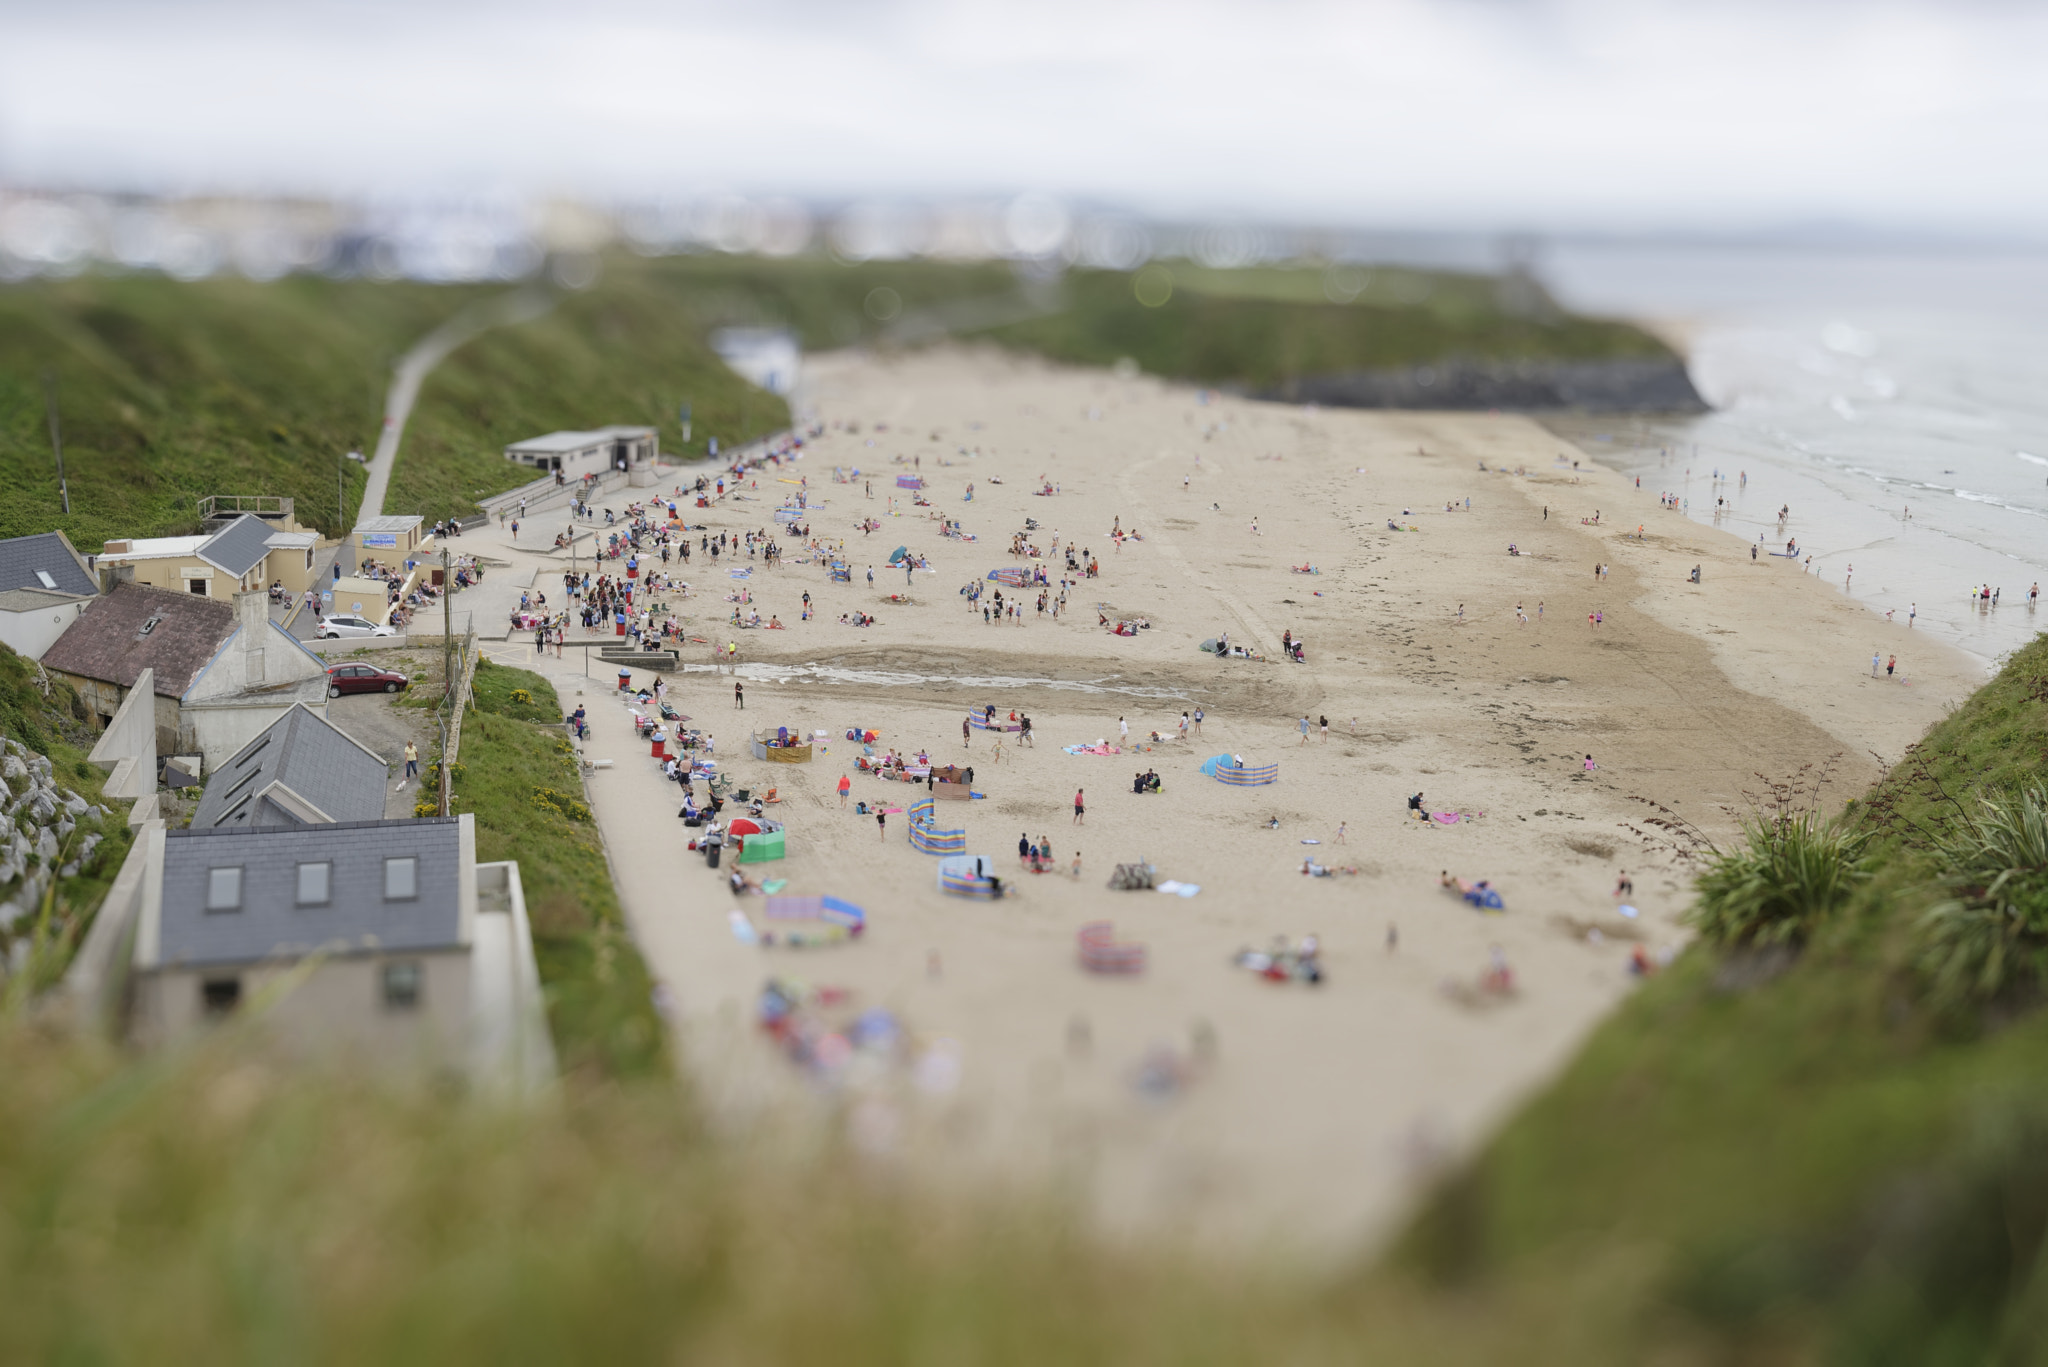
<point x="1305" y="1120"/>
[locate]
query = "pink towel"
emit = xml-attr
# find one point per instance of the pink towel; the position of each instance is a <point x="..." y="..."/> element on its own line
<point x="1448" y="818"/>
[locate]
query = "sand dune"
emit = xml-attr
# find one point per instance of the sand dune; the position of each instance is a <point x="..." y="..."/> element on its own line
<point x="1310" y="1112"/>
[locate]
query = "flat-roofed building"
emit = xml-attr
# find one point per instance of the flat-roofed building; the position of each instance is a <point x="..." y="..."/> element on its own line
<point x="580" y="453"/>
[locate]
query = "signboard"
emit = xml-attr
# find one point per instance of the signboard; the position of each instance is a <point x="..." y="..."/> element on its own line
<point x="380" y="541"/>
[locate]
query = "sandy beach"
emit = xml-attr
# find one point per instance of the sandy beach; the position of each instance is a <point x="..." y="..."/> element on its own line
<point x="1304" y="1116"/>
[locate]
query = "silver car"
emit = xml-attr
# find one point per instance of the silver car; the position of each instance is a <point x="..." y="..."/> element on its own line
<point x="334" y="628"/>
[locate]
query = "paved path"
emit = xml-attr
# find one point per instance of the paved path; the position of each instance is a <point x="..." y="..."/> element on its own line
<point x="518" y="306"/>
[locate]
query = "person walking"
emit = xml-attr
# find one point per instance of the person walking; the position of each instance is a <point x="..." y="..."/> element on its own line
<point x="1876" y="662"/>
<point x="1890" y="664"/>
<point x="1123" y="732"/>
<point x="1912" y="611"/>
<point x="412" y="760"/>
<point x="1198" y="721"/>
<point x="1080" y="806"/>
<point x="1304" y="731"/>
<point x="845" y="787"/>
<point x="1326" y="727"/>
<point x="1342" y="826"/>
<point x="881" y="823"/>
<point x="739" y="695"/>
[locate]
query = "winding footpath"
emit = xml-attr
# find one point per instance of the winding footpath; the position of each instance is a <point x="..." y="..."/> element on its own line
<point x="518" y="306"/>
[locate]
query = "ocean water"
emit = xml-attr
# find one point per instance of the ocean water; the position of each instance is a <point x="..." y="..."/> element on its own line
<point x="1898" y="404"/>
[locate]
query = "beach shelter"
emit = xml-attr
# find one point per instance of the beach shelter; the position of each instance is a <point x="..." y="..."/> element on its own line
<point x="899" y="555"/>
<point x="1212" y="764"/>
<point x="966" y="875"/>
<point x="1011" y="576"/>
<point x="830" y="910"/>
<point x="767" y="845"/>
<point x="910" y="481"/>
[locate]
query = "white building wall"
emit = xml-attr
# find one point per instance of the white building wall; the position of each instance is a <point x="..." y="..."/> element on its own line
<point x="29" y="634"/>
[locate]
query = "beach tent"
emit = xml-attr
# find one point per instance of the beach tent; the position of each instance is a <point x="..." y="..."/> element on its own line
<point x="927" y="837"/>
<point x="1212" y="764"/>
<point x="759" y="849"/>
<point x="898" y="555"/>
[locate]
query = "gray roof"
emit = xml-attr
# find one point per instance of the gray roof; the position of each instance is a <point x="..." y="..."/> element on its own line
<point x="321" y="769"/>
<point x="271" y="925"/>
<point x="238" y="547"/>
<point x="22" y="556"/>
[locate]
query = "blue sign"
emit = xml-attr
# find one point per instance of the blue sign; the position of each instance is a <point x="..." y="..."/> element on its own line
<point x="382" y="541"/>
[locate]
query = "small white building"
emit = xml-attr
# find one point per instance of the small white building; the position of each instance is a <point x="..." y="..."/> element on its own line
<point x="44" y="586"/>
<point x="582" y="453"/>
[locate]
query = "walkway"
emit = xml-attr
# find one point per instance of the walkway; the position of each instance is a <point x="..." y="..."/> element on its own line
<point x="518" y="306"/>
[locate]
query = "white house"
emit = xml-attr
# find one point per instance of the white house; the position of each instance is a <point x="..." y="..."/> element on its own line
<point x="44" y="586"/>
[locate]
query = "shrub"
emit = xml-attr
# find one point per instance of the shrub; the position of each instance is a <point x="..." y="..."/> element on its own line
<point x="1989" y="934"/>
<point x="1789" y="872"/>
<point x="554" y="801"/>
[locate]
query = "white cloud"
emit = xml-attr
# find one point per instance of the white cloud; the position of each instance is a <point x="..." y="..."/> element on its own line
<point x="1482" y="112"/>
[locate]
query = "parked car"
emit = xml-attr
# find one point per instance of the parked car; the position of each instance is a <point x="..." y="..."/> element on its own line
<point x="333" y="628"/>
<point x="359" y="678"/>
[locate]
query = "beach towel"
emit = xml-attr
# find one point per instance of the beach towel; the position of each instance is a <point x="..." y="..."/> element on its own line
<point x="1092" y="750"/>
<point x="1448" y="818"/>
<point x="1179" y="889"/>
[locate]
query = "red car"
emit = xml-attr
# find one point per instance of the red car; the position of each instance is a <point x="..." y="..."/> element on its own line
<point x="355" y="678"/>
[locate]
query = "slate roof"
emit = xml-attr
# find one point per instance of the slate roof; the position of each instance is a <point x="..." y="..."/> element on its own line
<point x="108" y="642"/>
<point x="50" y="552"/>
<point x="271" y="925"/>
<point x="238" y="547"/>
<point x="317" y="764"/>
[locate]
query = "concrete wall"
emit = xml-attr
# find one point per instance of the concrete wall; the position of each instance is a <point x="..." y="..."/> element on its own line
<point x="322" y="1007"/>
<point x="29" y="634"/>
<point x="127" y="750"/>
<point x="174" y="736"/>
<point x="219" y="732"/>
<point x="260" y="655"/>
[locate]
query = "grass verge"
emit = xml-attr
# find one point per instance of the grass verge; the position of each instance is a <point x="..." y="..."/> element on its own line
<point x="517" y="773"/>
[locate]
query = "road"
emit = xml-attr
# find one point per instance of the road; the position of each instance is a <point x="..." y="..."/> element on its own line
<point x="518" y="306"/>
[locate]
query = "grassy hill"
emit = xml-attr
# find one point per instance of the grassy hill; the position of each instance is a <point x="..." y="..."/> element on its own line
<point x="1813" y="1154"/>
<point x="170" y="391"/>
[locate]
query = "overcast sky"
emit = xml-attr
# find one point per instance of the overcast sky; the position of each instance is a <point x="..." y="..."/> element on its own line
<point x="1402" y="113"/>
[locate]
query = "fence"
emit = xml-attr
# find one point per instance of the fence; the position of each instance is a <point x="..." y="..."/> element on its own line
<point x="1248" y="777"/>
<point x="929" y="839"/>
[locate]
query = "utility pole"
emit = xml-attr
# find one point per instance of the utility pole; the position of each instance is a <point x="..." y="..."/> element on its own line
<point x="56" y="436"/>
<point x="447" y="663"/>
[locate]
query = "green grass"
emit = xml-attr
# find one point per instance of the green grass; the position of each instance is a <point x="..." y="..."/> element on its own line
<point x="170" y="391"/>
<point x="1831" y="1164"/>
<point x="515" y="760"/>
<point x="1272" y="329"/>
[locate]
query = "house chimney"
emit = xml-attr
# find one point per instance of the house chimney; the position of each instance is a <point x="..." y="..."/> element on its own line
<point x="252" y="616"/>
<point x="111" y="575"/>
